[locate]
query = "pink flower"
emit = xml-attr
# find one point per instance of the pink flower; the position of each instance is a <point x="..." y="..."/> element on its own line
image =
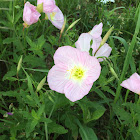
<point x="30" y="14"/>
<point x="94" y="36"/>
<point x="96" y="31"/>
<point x="74" y="72"/>
<point x="132" y="83"/>
<point x="53" y="13"/>
<point x="56" y="17"/>
<point x="48" y="5"/>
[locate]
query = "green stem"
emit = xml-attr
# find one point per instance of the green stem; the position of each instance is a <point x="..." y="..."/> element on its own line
<point x="138" y="100"/>
<point x="46" y="129"/>
<point x="127" y="59"/>
<point x="126" y="95"/>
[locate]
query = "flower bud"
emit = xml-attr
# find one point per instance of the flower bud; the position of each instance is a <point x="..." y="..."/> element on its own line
<point x="40" y="85"/>
<point x="30" y="14"/>
<point x="106" y="36"/>
<point x="113" y="72"/>
<point x="19" y="64"/>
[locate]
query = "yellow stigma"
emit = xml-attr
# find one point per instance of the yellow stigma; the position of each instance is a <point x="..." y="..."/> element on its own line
<point x="52" y="15"/>
<point x="77" y="73"/>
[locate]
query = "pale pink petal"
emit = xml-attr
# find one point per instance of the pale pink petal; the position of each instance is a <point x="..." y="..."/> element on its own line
<point x="96" y="31"/>
<point x="69" y="55"/>
<point x="132" y="83"/>
<point x="96" y="44"/>
<point x="56" y="17"/>
<point x="30" y="14"/>
<point x="83" y="42"/>
<point x="40" y="1"/>
<point x="57" y="78"/>
<point x="94" y="70"/>
<point x="104" y="51"/>
<point x="48" y="5"/>
<point x="76" y="92"/>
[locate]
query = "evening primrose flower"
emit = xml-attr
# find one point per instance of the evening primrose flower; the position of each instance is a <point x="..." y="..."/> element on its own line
<point x="93" y="40"/>
<point x="53" y="13"/>
<point x="74" y="72"/>
<point x="132" y="83"/>
<point x="30" y="14"/>
<point x="56" y="17"/>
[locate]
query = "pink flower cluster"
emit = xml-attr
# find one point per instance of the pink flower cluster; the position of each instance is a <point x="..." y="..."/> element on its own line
<point x="75" y="70"/>
<point x="84" y="43"/>
<point x="31" y="14"/>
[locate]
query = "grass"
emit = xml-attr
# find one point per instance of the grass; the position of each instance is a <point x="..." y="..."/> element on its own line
<point x="107" y="112"/>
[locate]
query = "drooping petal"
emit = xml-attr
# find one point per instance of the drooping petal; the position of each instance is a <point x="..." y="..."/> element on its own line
<point x="96" y="31"/>
<point x="76" y="92"/>
<point x="57" y="78"/>
<point x="48" y="5"/>
<point x="132" y="83"/>
<point x="56" y="17"/>
<point x="30" y="14"/>
<point x="83" y="42"/>
<point x="96" y="44"/>
<point x="105" y="50"/>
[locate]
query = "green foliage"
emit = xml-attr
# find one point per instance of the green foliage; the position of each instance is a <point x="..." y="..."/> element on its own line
<point x="45" y="114"/>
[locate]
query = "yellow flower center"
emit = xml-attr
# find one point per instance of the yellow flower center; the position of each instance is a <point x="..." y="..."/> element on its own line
<point x="77" y="73"/>
<point x="52" y="15"/>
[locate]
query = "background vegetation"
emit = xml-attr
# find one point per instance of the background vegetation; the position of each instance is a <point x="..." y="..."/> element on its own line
<point x="107" y="113"/>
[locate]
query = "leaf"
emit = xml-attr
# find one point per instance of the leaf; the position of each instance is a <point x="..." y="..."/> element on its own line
<point x="86" y="133"/>
<point x="30" y="127"/>
<point x="122" y="41"/>
<point x="35" y="115"/>
<point x="91" y="110"/>
<point x="9" y="40"/>
<point x="123" y="116"/>
<point x="32" y="44"/>
<point x="18" y="15"/>
<point x="40" y="70"/>
<point x="70" y="123"/>
<point x="10" y="93"/>
<point x="41" y="41"/>
<point x="56" y="128"/>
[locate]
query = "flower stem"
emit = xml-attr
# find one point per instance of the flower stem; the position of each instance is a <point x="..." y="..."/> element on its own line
<point x="127" y="59"/>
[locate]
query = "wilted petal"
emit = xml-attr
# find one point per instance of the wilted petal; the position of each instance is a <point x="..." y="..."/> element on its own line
<point x="30" y="14"/>
<point x="96" y="31"/>
<point x="105" y="50"/>
<point x="56" y="17"/>
<point x="83" y="42"/>
<point x="132" y="83"/>
<point x="48" y="5"/>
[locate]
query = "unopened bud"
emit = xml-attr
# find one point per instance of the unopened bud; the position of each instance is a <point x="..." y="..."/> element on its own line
<point x="40" y="8"/>
<point x="113" y="72"/>
<point x="106" y="36"/>
<point x="19" y="64"/>
<point x="63" y="27"/>
<point x="72" y="24"/>
<point x="40" y="85"/>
